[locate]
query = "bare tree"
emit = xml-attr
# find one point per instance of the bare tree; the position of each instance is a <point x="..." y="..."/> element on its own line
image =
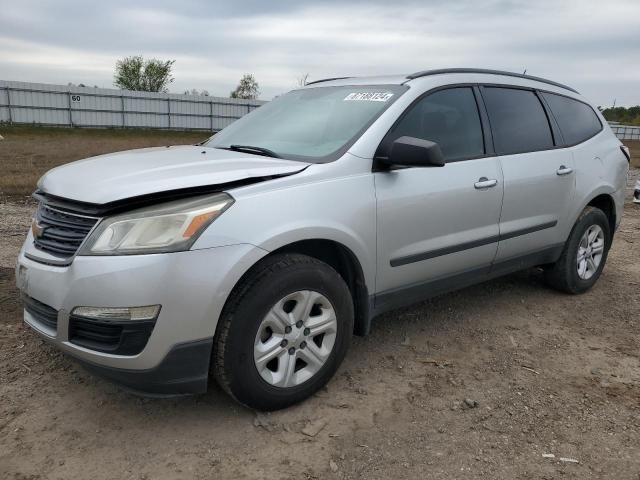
<point x="247" y="88"/>
<point x="302" y="81"/>
<point x="136" y="73"/>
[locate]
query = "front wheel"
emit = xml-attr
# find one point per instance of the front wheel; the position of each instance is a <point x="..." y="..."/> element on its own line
<point x="283" y="333"/>
<point x="584" y="254"/>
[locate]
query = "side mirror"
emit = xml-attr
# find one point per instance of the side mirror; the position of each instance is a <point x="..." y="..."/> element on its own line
<point x="415" y="152"/>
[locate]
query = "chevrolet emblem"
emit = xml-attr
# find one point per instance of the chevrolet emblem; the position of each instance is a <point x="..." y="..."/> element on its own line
<point x="37" y="229"/>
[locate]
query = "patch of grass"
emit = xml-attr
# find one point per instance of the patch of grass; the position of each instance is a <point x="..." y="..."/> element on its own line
<point x="27" y="152"/>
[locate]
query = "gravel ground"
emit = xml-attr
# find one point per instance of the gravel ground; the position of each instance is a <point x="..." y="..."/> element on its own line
<point x="15" y="219"/>
<point x="507" y="379"/>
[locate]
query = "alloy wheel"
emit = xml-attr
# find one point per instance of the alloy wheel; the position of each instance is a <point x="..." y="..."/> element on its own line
<point x="590" y="252"/>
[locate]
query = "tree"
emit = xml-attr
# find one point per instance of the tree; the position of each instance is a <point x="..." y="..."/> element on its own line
<point x="247" y="88"/>
<point x="624" y="115"/>
<point x="136" y="73"/>
<point x="195" y="91"/>
<point x="302" y="81"/>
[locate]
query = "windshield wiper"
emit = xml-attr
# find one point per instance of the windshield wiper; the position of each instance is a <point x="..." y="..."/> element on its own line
<point x="256" y="150"/>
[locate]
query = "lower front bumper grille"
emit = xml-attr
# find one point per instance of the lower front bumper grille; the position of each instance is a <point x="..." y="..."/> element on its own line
<point x="118" y="337"/>
<point x="41" y="313"/>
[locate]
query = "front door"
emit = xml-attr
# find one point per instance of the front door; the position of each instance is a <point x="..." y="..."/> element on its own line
<point x="438" y="223"/>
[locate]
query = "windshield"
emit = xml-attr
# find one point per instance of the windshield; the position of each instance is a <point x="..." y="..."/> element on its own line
<point x="314" y="124"/>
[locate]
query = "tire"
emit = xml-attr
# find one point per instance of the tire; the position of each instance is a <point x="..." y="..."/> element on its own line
<point x="563" y="275"/>
<point x="268" y="386"/>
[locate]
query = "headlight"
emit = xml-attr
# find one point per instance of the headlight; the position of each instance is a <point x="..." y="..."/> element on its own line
<point x="169" y="227"/>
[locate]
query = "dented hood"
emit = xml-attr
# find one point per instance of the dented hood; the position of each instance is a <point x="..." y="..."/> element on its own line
<point x="117" y="176"/>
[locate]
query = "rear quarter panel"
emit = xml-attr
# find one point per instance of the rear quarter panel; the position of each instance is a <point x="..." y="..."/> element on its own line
<point x="601" y="168"/>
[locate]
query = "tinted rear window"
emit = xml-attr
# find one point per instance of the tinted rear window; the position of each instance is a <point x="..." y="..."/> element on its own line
<point x="577" y="121"/>
<point x="518" y="121"/>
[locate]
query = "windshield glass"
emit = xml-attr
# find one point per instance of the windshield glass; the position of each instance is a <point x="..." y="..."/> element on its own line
<point x="314" y="124"/>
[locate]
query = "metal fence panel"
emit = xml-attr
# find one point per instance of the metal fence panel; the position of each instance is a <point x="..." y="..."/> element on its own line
<point x="191" y="122"/>
<point x="97" y="119"/>
<point x="626" y="132"/>
<point x="39" y="116"/>
<point x="220" y="123"/>
<point x="149" y="120"/>
<point x="4" y="111"/>
<point x="193" y="108"/>
<point x="36" y="103"/>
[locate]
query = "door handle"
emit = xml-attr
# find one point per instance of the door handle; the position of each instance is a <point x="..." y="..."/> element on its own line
<point x="484" y="182"/>
<point x="564" y="170"/>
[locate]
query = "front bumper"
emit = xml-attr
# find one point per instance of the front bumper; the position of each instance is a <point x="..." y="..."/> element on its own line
<point x="191" y="287"/>
<point x="183" y="371"/>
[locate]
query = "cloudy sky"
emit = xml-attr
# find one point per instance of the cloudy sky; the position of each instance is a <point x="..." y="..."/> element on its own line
<point x="592" y="45"/>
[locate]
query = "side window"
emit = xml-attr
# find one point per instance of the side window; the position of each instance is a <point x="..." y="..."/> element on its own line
<point x="577" y="121"/>
<point x="518" y="121"/>
<point x="448" y="117"/>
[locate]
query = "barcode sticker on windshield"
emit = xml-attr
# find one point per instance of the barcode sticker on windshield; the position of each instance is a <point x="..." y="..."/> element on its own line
<point x="368" y="96"/>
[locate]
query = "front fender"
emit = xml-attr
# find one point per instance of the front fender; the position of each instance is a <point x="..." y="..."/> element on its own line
<point x="340" y="234"/>
<point x="342" y="210"/>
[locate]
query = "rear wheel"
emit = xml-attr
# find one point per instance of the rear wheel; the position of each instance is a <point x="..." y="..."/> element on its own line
<point x="283" y="333"/>
<point x="584" y="254"/>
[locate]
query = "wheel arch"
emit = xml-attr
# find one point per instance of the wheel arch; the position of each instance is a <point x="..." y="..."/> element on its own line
<point x="346" y="263"/>
<point x="343" y="260"/>
<point x="606" y="203"/>
<point x="602" y="198"/>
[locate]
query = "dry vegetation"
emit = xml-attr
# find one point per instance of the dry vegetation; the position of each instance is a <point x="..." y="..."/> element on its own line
<point x="28" y="152"/>
<point x="634" y="146"/>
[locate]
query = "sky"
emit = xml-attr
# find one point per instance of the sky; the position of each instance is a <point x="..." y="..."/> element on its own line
<point x="591" y="45"/>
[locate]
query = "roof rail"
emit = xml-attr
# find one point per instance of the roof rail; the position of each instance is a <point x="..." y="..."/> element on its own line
<point x="426" y="73"/>
<point x="325" y="80"/>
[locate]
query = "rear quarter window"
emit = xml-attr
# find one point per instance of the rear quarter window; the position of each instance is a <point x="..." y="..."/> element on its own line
<point x="577" y="121"/>
<point x="519" y="123"/>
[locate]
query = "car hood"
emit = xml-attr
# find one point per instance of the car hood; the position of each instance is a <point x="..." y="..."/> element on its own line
<point x="117" y="176"/>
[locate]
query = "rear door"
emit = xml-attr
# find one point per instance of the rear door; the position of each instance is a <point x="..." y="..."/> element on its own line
<point x="539" y="181"/>
<point x="436" y="222"/>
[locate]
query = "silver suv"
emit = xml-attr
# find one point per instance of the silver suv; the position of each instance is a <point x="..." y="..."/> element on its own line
<point x="253" y="257"/>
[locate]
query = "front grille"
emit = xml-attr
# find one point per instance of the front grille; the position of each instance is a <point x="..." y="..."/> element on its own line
<point x="61" y="232"/>
<point x="119" y="337"/>
<point x="41" y="313"/>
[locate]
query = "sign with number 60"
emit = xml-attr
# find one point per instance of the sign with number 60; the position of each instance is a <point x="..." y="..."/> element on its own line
<point x="75" y="98"/>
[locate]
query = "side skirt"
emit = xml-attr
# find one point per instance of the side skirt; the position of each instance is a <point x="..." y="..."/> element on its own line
<point x="397" y="298"/>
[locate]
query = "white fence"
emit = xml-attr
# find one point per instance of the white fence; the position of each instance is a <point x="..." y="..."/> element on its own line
<point x="43" y="104"/>
<point x="625" y="132"/>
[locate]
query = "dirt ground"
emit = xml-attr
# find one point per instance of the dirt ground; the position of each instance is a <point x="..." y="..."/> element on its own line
<point x="487" y="382"/>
